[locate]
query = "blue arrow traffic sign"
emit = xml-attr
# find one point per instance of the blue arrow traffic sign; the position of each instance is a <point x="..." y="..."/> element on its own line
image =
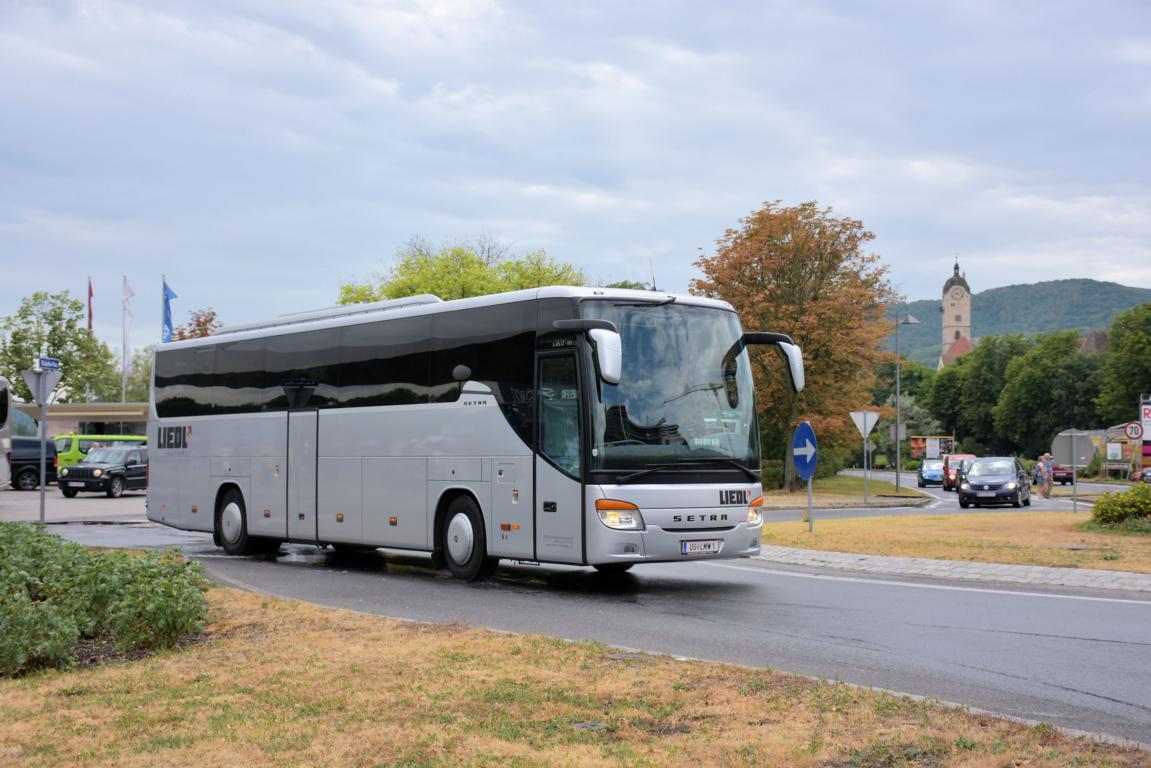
<point x="804" y="450"/>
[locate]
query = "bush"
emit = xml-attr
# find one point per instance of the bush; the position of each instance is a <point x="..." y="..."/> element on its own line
<point x="1115" y="508"/>
<point x="54" y="593"/>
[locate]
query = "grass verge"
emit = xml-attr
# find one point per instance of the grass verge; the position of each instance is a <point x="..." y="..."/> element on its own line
<point x="847" y="486"/>
<point x="284" y="683"/>
<point x="1058" y="539"/>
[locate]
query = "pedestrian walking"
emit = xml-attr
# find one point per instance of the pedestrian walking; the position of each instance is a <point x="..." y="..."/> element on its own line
<point x="1048" y="474"/>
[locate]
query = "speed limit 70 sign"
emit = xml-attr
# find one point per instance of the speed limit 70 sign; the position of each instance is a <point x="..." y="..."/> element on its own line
<point x="1133" y="430"/>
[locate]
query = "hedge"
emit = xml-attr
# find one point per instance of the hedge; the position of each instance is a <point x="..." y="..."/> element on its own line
<point x="1116" y="508"/>
<point x="54" y="594"/>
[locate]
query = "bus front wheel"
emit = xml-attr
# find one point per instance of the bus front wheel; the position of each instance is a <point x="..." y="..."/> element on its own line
<point x="464" y="550"/>
<point x="232" y="523"/>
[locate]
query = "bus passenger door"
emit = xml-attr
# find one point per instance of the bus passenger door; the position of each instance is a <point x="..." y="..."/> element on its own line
<point x="303" y="433"/>
<point x="559" y="492"/>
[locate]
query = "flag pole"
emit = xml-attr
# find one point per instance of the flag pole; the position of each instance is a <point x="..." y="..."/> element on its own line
<point x="124" y="344"/>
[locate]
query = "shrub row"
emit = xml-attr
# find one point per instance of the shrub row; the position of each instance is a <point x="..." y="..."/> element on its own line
<point x="1117" y="508"/>
<point x="54" y="593"/>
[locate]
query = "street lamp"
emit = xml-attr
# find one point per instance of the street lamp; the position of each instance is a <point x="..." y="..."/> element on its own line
<point x="906" y="320"/>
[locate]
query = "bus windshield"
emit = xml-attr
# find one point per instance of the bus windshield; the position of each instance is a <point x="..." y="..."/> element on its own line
<point x="685" y="396"/>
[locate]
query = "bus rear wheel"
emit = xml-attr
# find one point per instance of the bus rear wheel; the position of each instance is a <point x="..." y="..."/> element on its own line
<point x="463" y="537"/>
<point x="232" y="523"/>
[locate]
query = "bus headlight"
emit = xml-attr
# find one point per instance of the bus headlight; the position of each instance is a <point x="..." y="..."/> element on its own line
<point x="755" y="512"/>
<point x="619" y="515"/>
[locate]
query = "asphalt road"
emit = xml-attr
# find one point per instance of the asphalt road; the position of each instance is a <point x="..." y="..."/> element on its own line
<point x="1075" y="659"/>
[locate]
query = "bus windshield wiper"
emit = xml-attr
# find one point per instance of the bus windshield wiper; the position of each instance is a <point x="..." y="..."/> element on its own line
<point x="657" y="467"/>
<point x="748" y="470"/>
<point x="668" y="300"/>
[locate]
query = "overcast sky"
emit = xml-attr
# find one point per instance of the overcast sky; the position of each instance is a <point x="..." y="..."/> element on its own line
<point x="261" y="152"/>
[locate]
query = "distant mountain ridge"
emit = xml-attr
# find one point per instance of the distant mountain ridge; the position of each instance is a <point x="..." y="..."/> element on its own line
<point x="1053" y="305"/>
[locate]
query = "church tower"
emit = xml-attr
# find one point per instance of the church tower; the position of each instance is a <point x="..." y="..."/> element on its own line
<point x="956" y="318"/>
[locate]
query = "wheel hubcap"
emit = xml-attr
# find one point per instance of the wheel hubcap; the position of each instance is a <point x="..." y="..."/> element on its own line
<point x="460" y="539"/>
<point x="230" y="522"/>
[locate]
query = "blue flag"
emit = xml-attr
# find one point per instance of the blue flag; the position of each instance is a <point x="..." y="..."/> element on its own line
<point x="169" y="294"/>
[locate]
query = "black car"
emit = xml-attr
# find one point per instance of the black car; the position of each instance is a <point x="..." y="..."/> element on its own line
<point x="994" y="480"/>
<point x="25" y="460"/>
<point x="111" y="470"/>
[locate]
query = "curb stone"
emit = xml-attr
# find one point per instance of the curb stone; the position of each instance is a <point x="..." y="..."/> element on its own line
<point x="1092" y="578"/>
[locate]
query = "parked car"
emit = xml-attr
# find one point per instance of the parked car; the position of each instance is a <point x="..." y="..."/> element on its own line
<point x="73" y="448"/>
<point x="25" y="461"/>
<point x="930" y="472"/>
<point x="1059" y="474"/>
<point x="995" y="480"/>
<point x="951" y="468"/>
<point x="111" y="470"/>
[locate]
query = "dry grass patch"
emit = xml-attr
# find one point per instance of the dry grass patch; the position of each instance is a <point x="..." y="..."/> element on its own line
<point x="1024" y="538"/>
<point x="283" y="683"/>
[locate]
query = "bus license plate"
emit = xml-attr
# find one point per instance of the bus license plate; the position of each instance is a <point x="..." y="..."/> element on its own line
<point x="709" y="547"/>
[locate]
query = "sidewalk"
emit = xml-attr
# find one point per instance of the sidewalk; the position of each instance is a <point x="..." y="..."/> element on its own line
<point x="953" y="569"/>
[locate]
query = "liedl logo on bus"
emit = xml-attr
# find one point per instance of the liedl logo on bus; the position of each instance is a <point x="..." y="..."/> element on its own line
<point x="173" y="437"/>
<point x="733" y="497"/>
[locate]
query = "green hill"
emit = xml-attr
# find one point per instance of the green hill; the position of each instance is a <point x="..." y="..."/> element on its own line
<point x="1054" y="305"/>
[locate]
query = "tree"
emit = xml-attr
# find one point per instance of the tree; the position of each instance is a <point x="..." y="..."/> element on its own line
<point x="459" y="271"/>
<point x="915" y="380"/>
<point x="140" y="379"/>
<point x="1050" y="388"/>
<point x="1126" y="372"/>
<point x="913" y="415"/>
<point x="54" y="323"/>
<point x="634" y="285"/>
<point x="803" y="272"/>
<point x="963" y="396"/>
<point x="203" y="322"/>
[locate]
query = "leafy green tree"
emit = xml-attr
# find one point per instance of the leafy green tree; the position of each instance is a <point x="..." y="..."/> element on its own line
<point x="634" y="285"/>
<point x="140" y="379"/>
<point x="55" y="323"/>
<point x="943" y="398"/>
<point x="913" y="414"/>
<point x="915" y="379"/>
<point x="1050" y="388"/>
<point x="984" y="376"/>
<point x="460" y="271"/>
<point x="801" y="271"/>
<point x="1126" y="372"/>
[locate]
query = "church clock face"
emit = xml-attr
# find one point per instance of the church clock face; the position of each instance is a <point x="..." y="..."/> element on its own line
<point x="957" y="293"/>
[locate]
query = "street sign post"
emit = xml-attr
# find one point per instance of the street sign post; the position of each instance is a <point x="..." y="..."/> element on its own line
<point x="1073" y="448"/>
<point x="865" y="422"/>
<point x="1133" y="430"/>
<point x="41" y="381"/>
<point x="805" y="453"/>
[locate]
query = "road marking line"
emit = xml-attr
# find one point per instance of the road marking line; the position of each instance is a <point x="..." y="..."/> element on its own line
<point x="914" y="585"/>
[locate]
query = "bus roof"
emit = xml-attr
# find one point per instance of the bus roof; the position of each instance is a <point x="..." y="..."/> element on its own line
<point x="425" y="304"/>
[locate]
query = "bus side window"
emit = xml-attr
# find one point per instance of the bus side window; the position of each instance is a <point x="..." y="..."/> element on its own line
<point x="559" y="412"/>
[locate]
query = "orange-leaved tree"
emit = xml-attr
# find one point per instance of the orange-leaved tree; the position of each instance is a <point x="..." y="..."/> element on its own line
<point x="203" y="322"/>
<point x="801" y="271"/>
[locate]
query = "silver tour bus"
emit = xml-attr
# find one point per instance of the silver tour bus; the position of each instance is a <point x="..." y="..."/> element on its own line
<point x="580" y="426"/>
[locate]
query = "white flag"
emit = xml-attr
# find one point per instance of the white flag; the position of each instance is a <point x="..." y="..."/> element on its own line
<point x="128" y="294"/>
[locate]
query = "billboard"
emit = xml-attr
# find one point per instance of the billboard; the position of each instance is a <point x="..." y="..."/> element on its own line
<point x="931" y="446"/>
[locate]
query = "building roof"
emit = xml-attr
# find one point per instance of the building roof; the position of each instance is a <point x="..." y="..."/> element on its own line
<point x="956" y="279"/>
<point x="961" y="346"/>
<point x="1094" y="343"/>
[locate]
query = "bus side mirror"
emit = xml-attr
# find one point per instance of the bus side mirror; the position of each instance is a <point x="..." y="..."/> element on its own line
<point x="791" y="352"/>
<point x="606" y="342"/>
<point x="608" y="354"/>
